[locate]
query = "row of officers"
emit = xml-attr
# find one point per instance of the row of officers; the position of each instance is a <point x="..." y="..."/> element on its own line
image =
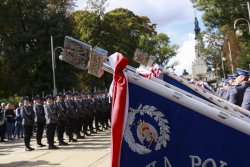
<point x="236" y="89"/>
<point x="73" y="114"/>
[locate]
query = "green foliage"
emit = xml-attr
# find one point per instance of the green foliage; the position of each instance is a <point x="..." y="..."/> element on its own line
<point x="26" y="27"/>
<point x="116" y="31"/>
<point x="25" y="45"/>
<point x="15" y="99"/>
<point x="220" y="16"/>
<point x="159" y="45"/>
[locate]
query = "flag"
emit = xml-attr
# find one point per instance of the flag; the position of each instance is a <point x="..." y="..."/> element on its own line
<point x="171" y="130"/>
<point x="119" y="105"/>
<point x="188" y="86"/>
<point x="160" y="127"/>
<point x="180" y="84"/>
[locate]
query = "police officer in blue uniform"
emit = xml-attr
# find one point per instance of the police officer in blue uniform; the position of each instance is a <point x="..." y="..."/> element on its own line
<point x="219" y="89"/>
<point x="28" y="116"/>
<point x="86" y="107"/>
<point x="226" y="86"/>
<point x="231" y="78"/>
<point x="71" y="114"/>
<point x="80" y="115"/>
<point x="62" y="119"/>
<point x="97" y="105"/>
<point x="39" y="120"/>
<point x="91" y="111"/>
<point x="241" y="84"/>
<point x="51" y="120"/>
<point x="1" y="124"/>
<point x="108" y="110"/>
<point x="246" y="99"/>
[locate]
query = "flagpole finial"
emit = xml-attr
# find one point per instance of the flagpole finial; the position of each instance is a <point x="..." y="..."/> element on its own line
<point x="81" y="55"/>
<point x="143" y="58"/>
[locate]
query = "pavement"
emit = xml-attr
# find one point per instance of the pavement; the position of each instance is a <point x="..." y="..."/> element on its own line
<point x="93" y="151"/>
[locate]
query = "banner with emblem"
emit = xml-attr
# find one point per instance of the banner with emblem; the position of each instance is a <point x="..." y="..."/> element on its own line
<point x="161" y="127"/>
<point x="156" y="126"/>
<point x="172" y="130"/>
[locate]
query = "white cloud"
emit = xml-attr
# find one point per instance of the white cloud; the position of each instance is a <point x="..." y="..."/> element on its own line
<point x="160" y="12"/>
<point x="186" y="55"/>
<point x="175" y="18"/>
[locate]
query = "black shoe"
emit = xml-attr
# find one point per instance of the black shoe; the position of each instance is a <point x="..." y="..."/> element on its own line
<point x="53" y="147"/>
<point x="80" y="137"/>
<point x="72" y="140"/>
<point x="29" y="149"/>
<point x="87" y="134"/>
<point x="40" y="145"/>
<point x="63" y="144"/>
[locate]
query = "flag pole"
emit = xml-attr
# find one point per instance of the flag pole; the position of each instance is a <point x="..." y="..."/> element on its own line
<point x="95" y="61"/>
<point x="142" y="57"/>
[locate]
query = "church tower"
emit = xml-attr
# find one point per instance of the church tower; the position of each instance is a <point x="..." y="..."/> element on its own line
<point x="199" y="66"/>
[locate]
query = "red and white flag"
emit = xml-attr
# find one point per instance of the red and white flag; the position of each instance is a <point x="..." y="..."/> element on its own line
<point x="119" y="90"/>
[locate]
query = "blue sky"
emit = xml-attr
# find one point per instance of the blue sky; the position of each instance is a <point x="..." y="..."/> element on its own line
<point x="175" y="18"/>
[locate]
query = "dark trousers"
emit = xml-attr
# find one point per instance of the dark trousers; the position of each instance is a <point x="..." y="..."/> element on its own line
<point x="2" y="132"/>
<point x="90" y="123"/>
<point x="61" y="129"/>
<point x="96" y="115"/>
<point x="106" y="119"/>
<point x="51" y="129"/>
<point x="71" y="127"/>
<point x="86" y="124"/>
<point x="27" y="131"/>
<point x="80" y="122"/>
<point x="39" y="132"/>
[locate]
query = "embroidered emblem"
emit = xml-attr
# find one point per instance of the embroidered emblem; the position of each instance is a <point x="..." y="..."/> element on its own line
<point x="147" y="136"/>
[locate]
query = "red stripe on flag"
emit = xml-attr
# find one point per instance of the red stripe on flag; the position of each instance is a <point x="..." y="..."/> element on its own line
<point x="118" y="107"/>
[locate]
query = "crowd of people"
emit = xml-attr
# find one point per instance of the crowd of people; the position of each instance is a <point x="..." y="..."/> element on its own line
<point x="236" y="89"/>
<point x="76" y="115"/>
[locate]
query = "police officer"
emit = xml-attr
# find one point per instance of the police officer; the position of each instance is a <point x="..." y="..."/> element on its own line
<point x="103" y="120"/>
<point x="91" y="111"/>
<point x="80" y="115"/>
<point x="86" y="107"/>
<point x="241" y="84"/>
<point x="246" y="100"/>
<point x="39" y="120"/>
<point x="108" y="110"/>
<point x="51" y="120"/>
<point x="97" y="110"/>
<point x="28" y="116"/>
<point x="1" y="124"/>
<point x="231" y="78"/>
<point x="71" y="114"/>
<point x="62" y="119"/>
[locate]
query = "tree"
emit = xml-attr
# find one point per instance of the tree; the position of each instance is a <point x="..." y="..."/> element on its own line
<point x="159" y="45"/>
<point x="220" y="16"/>
<point x="116" y="31"/>
<point x="26" y="27"/>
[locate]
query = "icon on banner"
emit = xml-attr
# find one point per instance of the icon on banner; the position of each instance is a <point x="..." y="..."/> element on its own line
<point x="144" y="136"/>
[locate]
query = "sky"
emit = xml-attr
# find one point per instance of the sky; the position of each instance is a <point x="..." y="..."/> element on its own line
<point x="173" y="17"/>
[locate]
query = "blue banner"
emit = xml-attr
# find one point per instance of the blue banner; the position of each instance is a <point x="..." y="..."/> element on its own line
<point x="178" y="84"/>
<point x="163" y="133"/>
